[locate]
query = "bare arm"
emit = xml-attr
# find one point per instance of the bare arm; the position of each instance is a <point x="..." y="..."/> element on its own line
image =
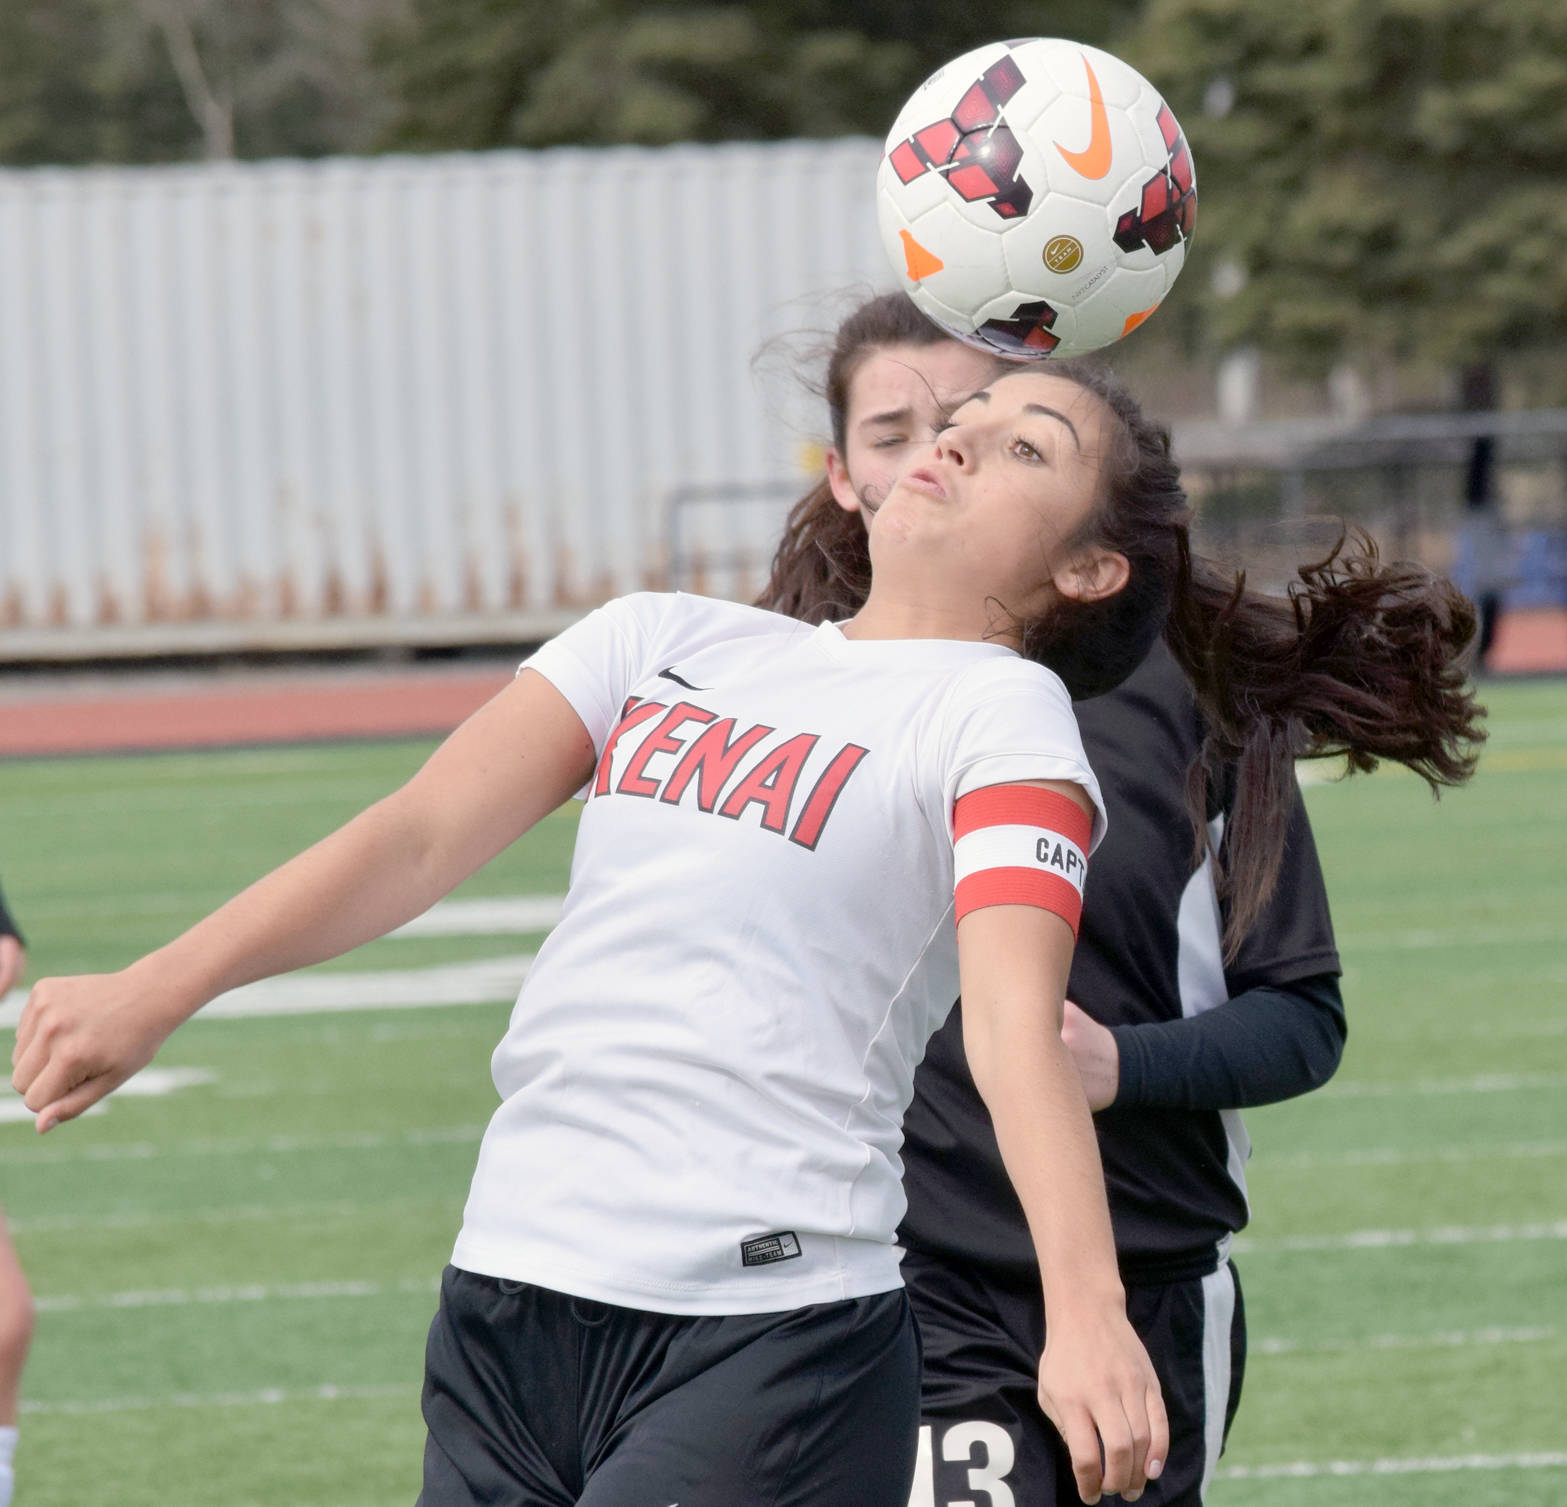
<point x="1095" y="1382"/>
<point x="511" y="763"/>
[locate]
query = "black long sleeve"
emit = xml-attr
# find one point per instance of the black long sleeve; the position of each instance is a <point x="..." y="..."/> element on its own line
<point x="1266" y="1044"/>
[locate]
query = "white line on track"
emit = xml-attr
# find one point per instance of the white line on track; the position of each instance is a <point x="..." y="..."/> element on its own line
<point x="1366" y="1240"/>
<point x="1396" y="1466"/>
<point x="267" y="1396"/>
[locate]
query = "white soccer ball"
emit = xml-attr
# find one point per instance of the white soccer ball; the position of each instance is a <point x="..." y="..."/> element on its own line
<point x="1036" y="198"/>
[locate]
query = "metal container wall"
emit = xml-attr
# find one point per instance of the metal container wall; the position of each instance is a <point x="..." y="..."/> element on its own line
<point x="402" y="399"/>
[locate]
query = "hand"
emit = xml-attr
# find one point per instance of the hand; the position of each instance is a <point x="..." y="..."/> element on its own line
<point x="1094" y="1054"/>
<point x="13" y="963"/>
<point x="81" y="1038"/>
<point x="1097" y="1385"/>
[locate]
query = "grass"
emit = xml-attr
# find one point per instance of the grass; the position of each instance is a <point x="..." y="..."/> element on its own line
<point x="235" y="1278"/>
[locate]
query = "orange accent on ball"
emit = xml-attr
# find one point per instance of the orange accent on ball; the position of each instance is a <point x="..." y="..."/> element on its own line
<point x="920" y="262"/>
<point x="1133" y="320"/>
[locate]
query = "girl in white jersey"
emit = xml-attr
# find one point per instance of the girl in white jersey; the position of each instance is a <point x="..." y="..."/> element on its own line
<point x="676" y="1279"/>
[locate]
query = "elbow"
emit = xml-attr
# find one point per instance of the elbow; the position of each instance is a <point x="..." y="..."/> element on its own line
<point x="1321" y="1063"/>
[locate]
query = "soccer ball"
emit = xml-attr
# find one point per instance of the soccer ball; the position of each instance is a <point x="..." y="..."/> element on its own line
<point x="1036" y="198"/>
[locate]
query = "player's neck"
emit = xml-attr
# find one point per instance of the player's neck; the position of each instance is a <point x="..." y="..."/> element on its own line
<point x="888" y="614"/>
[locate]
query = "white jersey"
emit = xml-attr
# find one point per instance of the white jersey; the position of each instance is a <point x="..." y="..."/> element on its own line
<point x="704" y="1078"/>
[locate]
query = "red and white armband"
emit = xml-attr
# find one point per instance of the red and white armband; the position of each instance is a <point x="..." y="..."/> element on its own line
<point x="1021" y="845"/>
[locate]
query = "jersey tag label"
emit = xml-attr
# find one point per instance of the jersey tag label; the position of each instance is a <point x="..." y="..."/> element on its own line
<point x="763" y="1250"/>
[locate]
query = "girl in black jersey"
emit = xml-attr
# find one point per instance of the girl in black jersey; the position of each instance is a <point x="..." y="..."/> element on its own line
<point x="1045" y="523"/>
<point x="1169" y="1035"/>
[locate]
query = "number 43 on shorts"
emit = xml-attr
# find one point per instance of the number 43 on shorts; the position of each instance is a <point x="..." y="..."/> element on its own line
<point x="986" y="1447"/>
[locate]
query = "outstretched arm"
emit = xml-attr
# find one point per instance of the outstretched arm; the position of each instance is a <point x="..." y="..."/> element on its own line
<point x="1095" y="1381"/>
<point x="516" y="759"/>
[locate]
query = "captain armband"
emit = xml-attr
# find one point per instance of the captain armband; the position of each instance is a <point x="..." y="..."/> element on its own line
<point x="1021" y="845"/>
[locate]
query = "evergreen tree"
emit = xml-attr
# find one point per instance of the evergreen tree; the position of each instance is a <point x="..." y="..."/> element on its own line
<point x="1387" y="174"/>
<point x="491" y="73"/>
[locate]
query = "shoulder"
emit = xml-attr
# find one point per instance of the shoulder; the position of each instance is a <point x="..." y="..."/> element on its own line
<point x="682" y="610"/>
<point x="1013" y="684"/>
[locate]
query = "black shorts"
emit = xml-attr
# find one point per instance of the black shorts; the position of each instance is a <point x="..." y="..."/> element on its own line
<point x="983" y="1438"/>
<point x="536" y="1399"/>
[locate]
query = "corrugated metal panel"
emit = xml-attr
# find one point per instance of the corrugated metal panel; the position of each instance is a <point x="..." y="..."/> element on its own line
<point x="399" y="398"/>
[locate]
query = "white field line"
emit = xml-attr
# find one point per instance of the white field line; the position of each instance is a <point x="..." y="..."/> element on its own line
<point x="518" y="915"/>
<point x="1425" y="939"/>
<point x="277" y="1145"/>
<point x="1442" y="1339"/>
<point x="1395" y="1466"/>
<point x="1482" y="1083"/>
<point x="491" y="981"/>
<point x="149" y="1083"/>
<point x="141" y="1219"/>
<point x="1486" y="1030"/>
<point x="1369" y="1240"/>
<point x="1398" y="1156"/>
<point x="178" y="1297"/>
<point x="267" y="1396"/>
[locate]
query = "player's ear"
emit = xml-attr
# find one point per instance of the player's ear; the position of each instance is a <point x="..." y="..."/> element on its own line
<point x="1093" y="575"/>
<point x="838" y="480"/>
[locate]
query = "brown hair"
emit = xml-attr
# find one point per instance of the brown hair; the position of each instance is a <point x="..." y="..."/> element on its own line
<point x="1358" y="658"/>
<point x="822" y="566"/>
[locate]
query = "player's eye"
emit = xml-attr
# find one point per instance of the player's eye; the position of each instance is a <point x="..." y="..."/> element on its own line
<point x="889" y="441"/>
<point x="1024" y="449"/>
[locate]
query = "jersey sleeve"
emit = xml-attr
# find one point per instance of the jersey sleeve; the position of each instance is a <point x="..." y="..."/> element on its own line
<point x="1014" y="843"/>
<point x="597" y="660"/>
<point x="1012" y="726"/>
<point x="1292" y="937"/>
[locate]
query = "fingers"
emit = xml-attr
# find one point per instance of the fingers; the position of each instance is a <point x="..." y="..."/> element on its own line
<point x="64" y="1060"/>
<point x="1158" y="1431"/>
<point x="27" y="1026"/>
<point x="1118" y="1439"/>
<point x="80" y="1098"/>
<point x="1076" y="1426"/>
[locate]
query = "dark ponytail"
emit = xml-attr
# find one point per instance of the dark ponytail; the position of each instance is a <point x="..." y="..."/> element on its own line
<point x="1358" y="658"/>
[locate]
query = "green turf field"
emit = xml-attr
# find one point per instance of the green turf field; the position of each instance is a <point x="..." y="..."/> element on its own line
<point x="235" y="1275"/>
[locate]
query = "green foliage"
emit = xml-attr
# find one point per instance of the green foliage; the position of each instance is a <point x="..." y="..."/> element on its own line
<point x="482" y="73"/>
<point x="96" y="81"/>
<point x="1388" y="174"/>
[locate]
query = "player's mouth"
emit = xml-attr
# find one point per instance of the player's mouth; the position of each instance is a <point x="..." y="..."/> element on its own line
<point x="923" y="479"/>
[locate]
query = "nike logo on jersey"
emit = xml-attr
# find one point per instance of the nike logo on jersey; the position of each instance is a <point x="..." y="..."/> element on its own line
<point x="669" y="674"/>
<point x="730" y="768"/>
